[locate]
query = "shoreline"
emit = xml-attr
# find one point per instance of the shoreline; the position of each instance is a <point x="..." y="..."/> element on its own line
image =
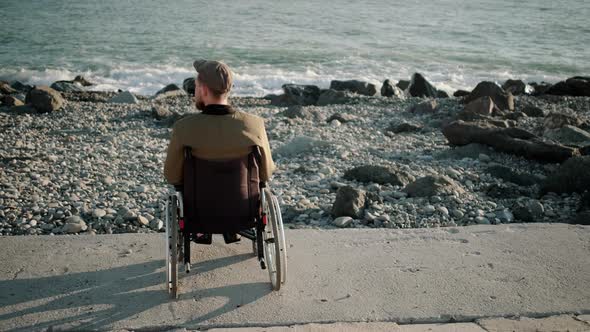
<point x="95" y="166"/>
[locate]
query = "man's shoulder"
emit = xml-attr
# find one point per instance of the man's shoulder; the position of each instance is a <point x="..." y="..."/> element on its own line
<point x="248" y="116"/>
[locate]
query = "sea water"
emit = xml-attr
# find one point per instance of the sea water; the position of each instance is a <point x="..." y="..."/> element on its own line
<point x="142" y="45"/>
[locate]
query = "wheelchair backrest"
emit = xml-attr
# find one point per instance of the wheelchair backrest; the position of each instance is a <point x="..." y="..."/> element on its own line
<point x="221" y="196"/>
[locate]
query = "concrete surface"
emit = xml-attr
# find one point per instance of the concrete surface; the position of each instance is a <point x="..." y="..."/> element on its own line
<point x="111" y="282"/>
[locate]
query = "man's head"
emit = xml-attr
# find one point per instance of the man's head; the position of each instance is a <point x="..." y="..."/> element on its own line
<point x="213" y="83"/>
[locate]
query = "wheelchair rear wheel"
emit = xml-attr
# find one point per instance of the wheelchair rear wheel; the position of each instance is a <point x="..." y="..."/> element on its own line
<point x="172" y="243"/>
<point x="274" y="241"/>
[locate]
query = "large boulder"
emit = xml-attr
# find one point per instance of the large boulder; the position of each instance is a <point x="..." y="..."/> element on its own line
<point x="66" y="86"/>
<point x="21" y="87"/>
<point x="509" y="140"/>
<point x="189" y="86"/>
<point x="420" y="87"/>
<point x="571" y="176"/>
<point x="504" y="100"/>
<point x="349" y="202"/>
<point x="569" y="135"/>
<point x="433" y="185"/>
<point x="82" y="81"/>
<point x="333" y="97"/>
<point x="574" y="86"/>
<point x="168" y="88"/>
<point x="44" y="99"/>
<point x="483" y="106"/>
<point x="124" y="97"/>
<point x="379" y="174"/>
<point x="461" y="93"/>
<point x="403" y="84"/>
<point x="516" y="87"/>
<point x="390" y="90"/>
<point x="355" y="86"/>
<point x="296" y="94"/>
<point x="539" y="88"/>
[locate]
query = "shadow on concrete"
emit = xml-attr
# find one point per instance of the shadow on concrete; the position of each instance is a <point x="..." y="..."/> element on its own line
<point x="94" y="300"/>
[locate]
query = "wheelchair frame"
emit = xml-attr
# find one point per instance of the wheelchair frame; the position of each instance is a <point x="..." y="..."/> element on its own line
<point x="268" y="240"/>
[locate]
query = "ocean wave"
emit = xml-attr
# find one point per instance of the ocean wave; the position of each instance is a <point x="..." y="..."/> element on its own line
<point x="260" y="80"/>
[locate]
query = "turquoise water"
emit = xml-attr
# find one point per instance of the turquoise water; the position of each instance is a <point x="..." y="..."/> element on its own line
<point x="142" y="45"/>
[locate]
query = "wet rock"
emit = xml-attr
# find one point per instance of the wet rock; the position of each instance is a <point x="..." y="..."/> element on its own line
<point x="441" y="94"/>
<point x="420" y="87"/>
<point x="461" y="93"/>
<point x="45" y="99"/>
<point x="390" y="90"/>
<point x="504" y="100"/>
<point x="20" y="87"/>
<point x="516" y="87"/>
<point x="433" y="185"/>
<point x="333" y="97"/>
<point x="189" y="86"/>
<point x="168" y="88"/>
<point x="66" y="86"/>
<point x="379" y="174"/>
<point x="354" y="86"/>
<point x="295" y="94"/>
<point x="82" y="81"/>
<point x="403" y="84"/>
<point x="575" y="86"/>
<point x="349" y="202"/>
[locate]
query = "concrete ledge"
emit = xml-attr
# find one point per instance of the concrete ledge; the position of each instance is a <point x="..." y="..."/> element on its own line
<point x="426" y="276"/>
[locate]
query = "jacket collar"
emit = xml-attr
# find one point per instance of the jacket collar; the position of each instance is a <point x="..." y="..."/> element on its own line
<point x="217" y="109"/>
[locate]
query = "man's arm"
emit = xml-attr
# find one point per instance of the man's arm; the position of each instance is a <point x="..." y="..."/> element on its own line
<point x="174" y="160"/>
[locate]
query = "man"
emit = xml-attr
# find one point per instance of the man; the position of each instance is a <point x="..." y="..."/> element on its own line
<point x="220" y="131"/>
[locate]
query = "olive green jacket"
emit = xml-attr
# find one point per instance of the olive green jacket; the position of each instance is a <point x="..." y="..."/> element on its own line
<point x="217" y="136"/>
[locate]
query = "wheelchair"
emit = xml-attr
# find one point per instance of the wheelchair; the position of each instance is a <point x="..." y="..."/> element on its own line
<point x="224" y="197"/>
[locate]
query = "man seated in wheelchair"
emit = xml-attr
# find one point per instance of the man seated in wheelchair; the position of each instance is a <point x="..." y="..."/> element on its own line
<point x="217" y="140"/>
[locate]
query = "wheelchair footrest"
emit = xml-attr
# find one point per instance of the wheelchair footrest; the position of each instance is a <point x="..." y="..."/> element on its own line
<point x="202" y="238"/>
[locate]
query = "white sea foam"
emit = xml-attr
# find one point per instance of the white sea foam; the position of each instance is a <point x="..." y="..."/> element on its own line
<point x="259" y="80"/>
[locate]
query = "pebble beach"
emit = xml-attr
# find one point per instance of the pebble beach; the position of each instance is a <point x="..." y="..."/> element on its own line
<point x="94" y="166"/>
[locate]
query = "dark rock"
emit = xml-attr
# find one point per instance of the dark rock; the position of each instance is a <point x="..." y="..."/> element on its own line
<point x="270" y="96"/>
<point x="167" y="88"/>
<point x="403" y="84"/>
<point x="441" y="94"/>
<point x="355" y="86"/>
<point x="509" y="175"/>
<point x="44" y="99"/>
<point x="189" y="85"/>
<point x="21" y="87"/>
<point x="582" y="218"/>
<point x="504" y="100"/>
<point x="533" y="111"/>
<point x="577" y="86"/>
<point x="23" y="109"/>
<point x="510" y="140"/>
<point x="83" y="81"/>
<point x="506" y="191"/>
<point x="89" y="96"/>
<point x="296" y="94"/>
<point x="433" y="185"/>
<point x="584" y="202"/>
<point x="539" y="88"/>
<point x="66" y="86"/>
<point x="556" y="120"/>
<point x="571" y="176"/>
<point x="420" y="87"/>
<point x="585" y="151"/>
<point x="427" y="107"/>
<point x="10" y="101"/>
<point x="516" y="87"/>
<point x="403" y="127"/>
<point x="527" y="211"/>
<point x="333" y="97"/>
<point x="483" y="105"/>
<point x="6" y="89"/>
<point x="379" y="174"/>
<point x="389" y="90"/>
<point x="461" y="93"/>
<point x="349" y="202"/>
<point x="472" y="150"/>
